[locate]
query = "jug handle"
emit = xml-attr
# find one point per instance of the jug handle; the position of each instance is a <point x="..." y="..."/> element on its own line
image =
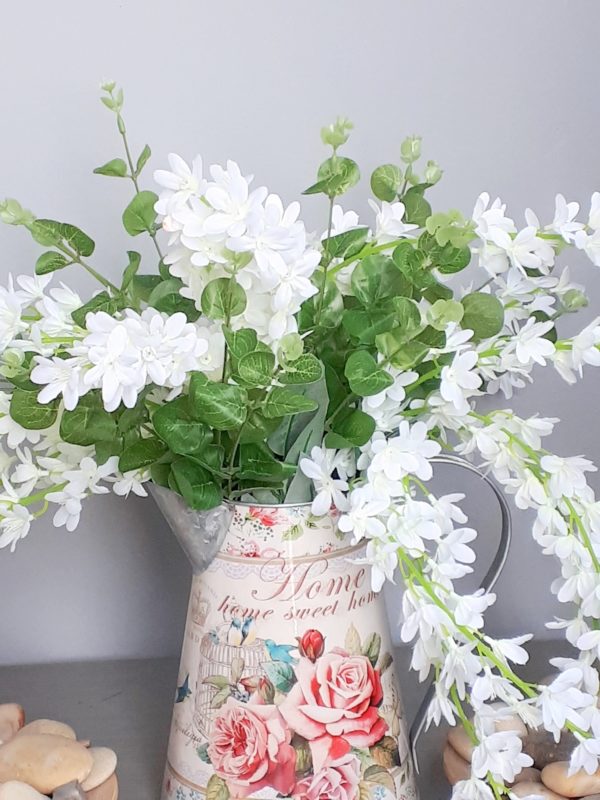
<point x="487" y="583"/>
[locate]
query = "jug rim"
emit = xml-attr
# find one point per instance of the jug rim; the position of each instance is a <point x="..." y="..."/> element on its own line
<point x="226" y="501"/>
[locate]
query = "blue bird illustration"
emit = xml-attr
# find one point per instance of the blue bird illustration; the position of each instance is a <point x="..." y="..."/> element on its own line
<point x="183" y="691"/>
<point x="234" y="634"/>
<point x="248" y="631"/>
<point x="280" y="652"/>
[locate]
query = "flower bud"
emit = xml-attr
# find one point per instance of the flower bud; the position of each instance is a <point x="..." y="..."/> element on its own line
<point x="410" y="149"/>
<point x="311" y="644"/>
<point x="13" y="213"/>
<point x="291" y="346"/>
<point x="573" y="300"/>
<point x="108" y="86"/>
<point x="337" y="133"/>
<point x="433" y="172"/>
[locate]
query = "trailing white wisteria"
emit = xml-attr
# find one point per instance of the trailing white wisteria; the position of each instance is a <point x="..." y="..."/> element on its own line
<point x="257" y="360"/>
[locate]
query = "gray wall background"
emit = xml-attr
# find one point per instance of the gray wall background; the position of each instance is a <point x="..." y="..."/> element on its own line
<point x="506" y="97"/>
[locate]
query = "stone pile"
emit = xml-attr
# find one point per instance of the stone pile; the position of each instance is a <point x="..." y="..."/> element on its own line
<point x="44" y="759"/>
<point x="547" y="779"/>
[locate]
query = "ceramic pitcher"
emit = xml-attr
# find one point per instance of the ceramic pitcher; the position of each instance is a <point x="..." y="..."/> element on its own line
<point x="287" y="686"/>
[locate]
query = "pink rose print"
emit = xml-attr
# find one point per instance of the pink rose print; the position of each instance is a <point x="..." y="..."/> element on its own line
<point x="337" y="781"/>
<point x="250" y="749"/>
<point x="334" y="705"/>
<point x="264" y="516"/>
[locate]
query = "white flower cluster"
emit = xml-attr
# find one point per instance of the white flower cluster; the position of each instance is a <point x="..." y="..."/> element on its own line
<point x="220" y="228"/>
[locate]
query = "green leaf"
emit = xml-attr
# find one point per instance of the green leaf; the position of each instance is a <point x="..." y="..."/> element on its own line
<point x="366" y="325"/>
<point x="222" y="406"/>
<point x="88" y="423"/>
<point x="143" y="159"/>
<point x="258" y="463"/>
<point x="176" y="427"/>
<point x="417" y="209"/>
<point x="49" y="232"/>
<point x="401" y="353"/>
<point x="376" y="278"/>
<point x="484" y="314"/>
<point x="131" y="268"/>
<point x="139" y="216"/>
<point x="50" y="262"/>
<point x="141" y="454"/>
<point x="280" y="674"/>
<point x="240" y="342"/>
<point x="166" y="296"/>
<point x="27" y="412"/>
<point x="116" y="168"/>
<point x="105" y="450"/>
<point x="196" y="484"/>
<point x="223" y="298"/>
<point x="217" y="789"/>
<point x="335" y="176"/>
<point x="142" y="286"/>
<point x="386" y="182"/>
<point x="160" y="474"/>
<point x="446" y="259"/>
<point x="364" y="375"/>
<point x="306" y="369"/>
<point x="328" y="312"/>
<point x="280" y="402"/>
<point x="353" y="430"/>
<point x="100" y="302"/>
<point x="345" y="244"/>
<point x="257" y="368"/>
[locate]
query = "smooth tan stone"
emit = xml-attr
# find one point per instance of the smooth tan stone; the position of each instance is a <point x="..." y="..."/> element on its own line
<point x="105" y="764"/>
<point x="44" y="761"/>
<point x="455" y="768"/>
<point x="12" y="718"/>
<point x="49" y="726"/>
<point x="591" y="797"/>
<point x="109" y="790"/>
<point x="459" y="740"/>
<point x="15" y="790"/>
<point x="528" y="789"/>
<point x="529" y="774"/>
<point x="556" y="777"/>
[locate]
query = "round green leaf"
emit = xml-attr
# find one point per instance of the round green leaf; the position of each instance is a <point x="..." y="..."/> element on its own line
<point x="365" y="376"/>
<point x="50" y="262"/>
<point x="139" y="216"/>
<point x="256" y="369"/>
<point x="223" y="299"/>
<point x="484" y="314"/>
<point x="386" y="182"/>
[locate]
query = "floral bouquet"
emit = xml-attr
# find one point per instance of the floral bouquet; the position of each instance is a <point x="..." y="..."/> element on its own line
<point x="255" y="360"/>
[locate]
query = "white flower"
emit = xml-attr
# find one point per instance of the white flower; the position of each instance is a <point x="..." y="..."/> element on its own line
<point x="590" y="244"/>
<point x="472" y="789"/>
<point x="488" y="218"/>
<point x="11" y="309"/>
<point x="114" y="361"/>
<point x="383" y="558"/>
<point x="412" y="524"/>
<point x="60" y="376"/>
<point x="362" y="517"/>
<point x="501" y="754"/>
<point x="530" y="344"/>
<point x="319" y="468"/>
<point x="131" y="482"/>
<point x="69" y="510"/>
<point x="341" y="221"/>
<point x="459" y="380"/>
<point x="87" y="476"/>
<point x="562" y="700"/>
<point x="181" y="182"/>
<point x="389" y="223"/>
<point x="566" y="474"/>
<point x="234" y="205"/>
<point x="469" y="608"/>
<point x="15" y="433"/>
<point x="15" y="522"/>
<point x="526" y="250"/>
<point x="564" y="219"/>
<point x="407" y="453"/>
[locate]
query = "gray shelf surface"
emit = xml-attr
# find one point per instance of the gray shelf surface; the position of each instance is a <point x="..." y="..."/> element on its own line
<point x="127" y="705"/>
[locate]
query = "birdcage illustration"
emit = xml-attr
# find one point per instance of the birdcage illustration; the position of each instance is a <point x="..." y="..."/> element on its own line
<point x="216" y="658"/>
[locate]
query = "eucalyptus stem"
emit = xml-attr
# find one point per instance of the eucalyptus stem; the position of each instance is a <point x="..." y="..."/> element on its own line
<point x="76" y="259"/>
<point x="321" y="298"/>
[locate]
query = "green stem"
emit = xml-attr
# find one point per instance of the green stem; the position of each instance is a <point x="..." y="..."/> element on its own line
<point x="367" y="250"/>
<point x="76" y="259"/>
<point x="321" y="298"/>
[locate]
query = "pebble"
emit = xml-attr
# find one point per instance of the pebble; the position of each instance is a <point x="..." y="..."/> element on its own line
<point x="540" y="745"/>
<point x="15" y="790"/>
<point x="12" y="718"/>
<point x="459" y="740"/>
<point x="50" y="726"/>
<point x="105" y="764"/>
<point x="44" y="761"/>
<point x="529" y="774"/>
<point x="591" y="797"/>
<point x="455" y="768"/>
<point x="555" y="776"/>
<point x="528" y="789"/>
<point x="70" y="791"/>
<point x="106" y="791"/>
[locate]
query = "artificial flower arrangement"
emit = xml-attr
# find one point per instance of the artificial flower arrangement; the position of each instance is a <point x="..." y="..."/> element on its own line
<point x="256" y="360"/>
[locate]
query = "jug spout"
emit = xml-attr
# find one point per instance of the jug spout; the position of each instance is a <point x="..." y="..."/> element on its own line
<point x="200" y="533"/>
